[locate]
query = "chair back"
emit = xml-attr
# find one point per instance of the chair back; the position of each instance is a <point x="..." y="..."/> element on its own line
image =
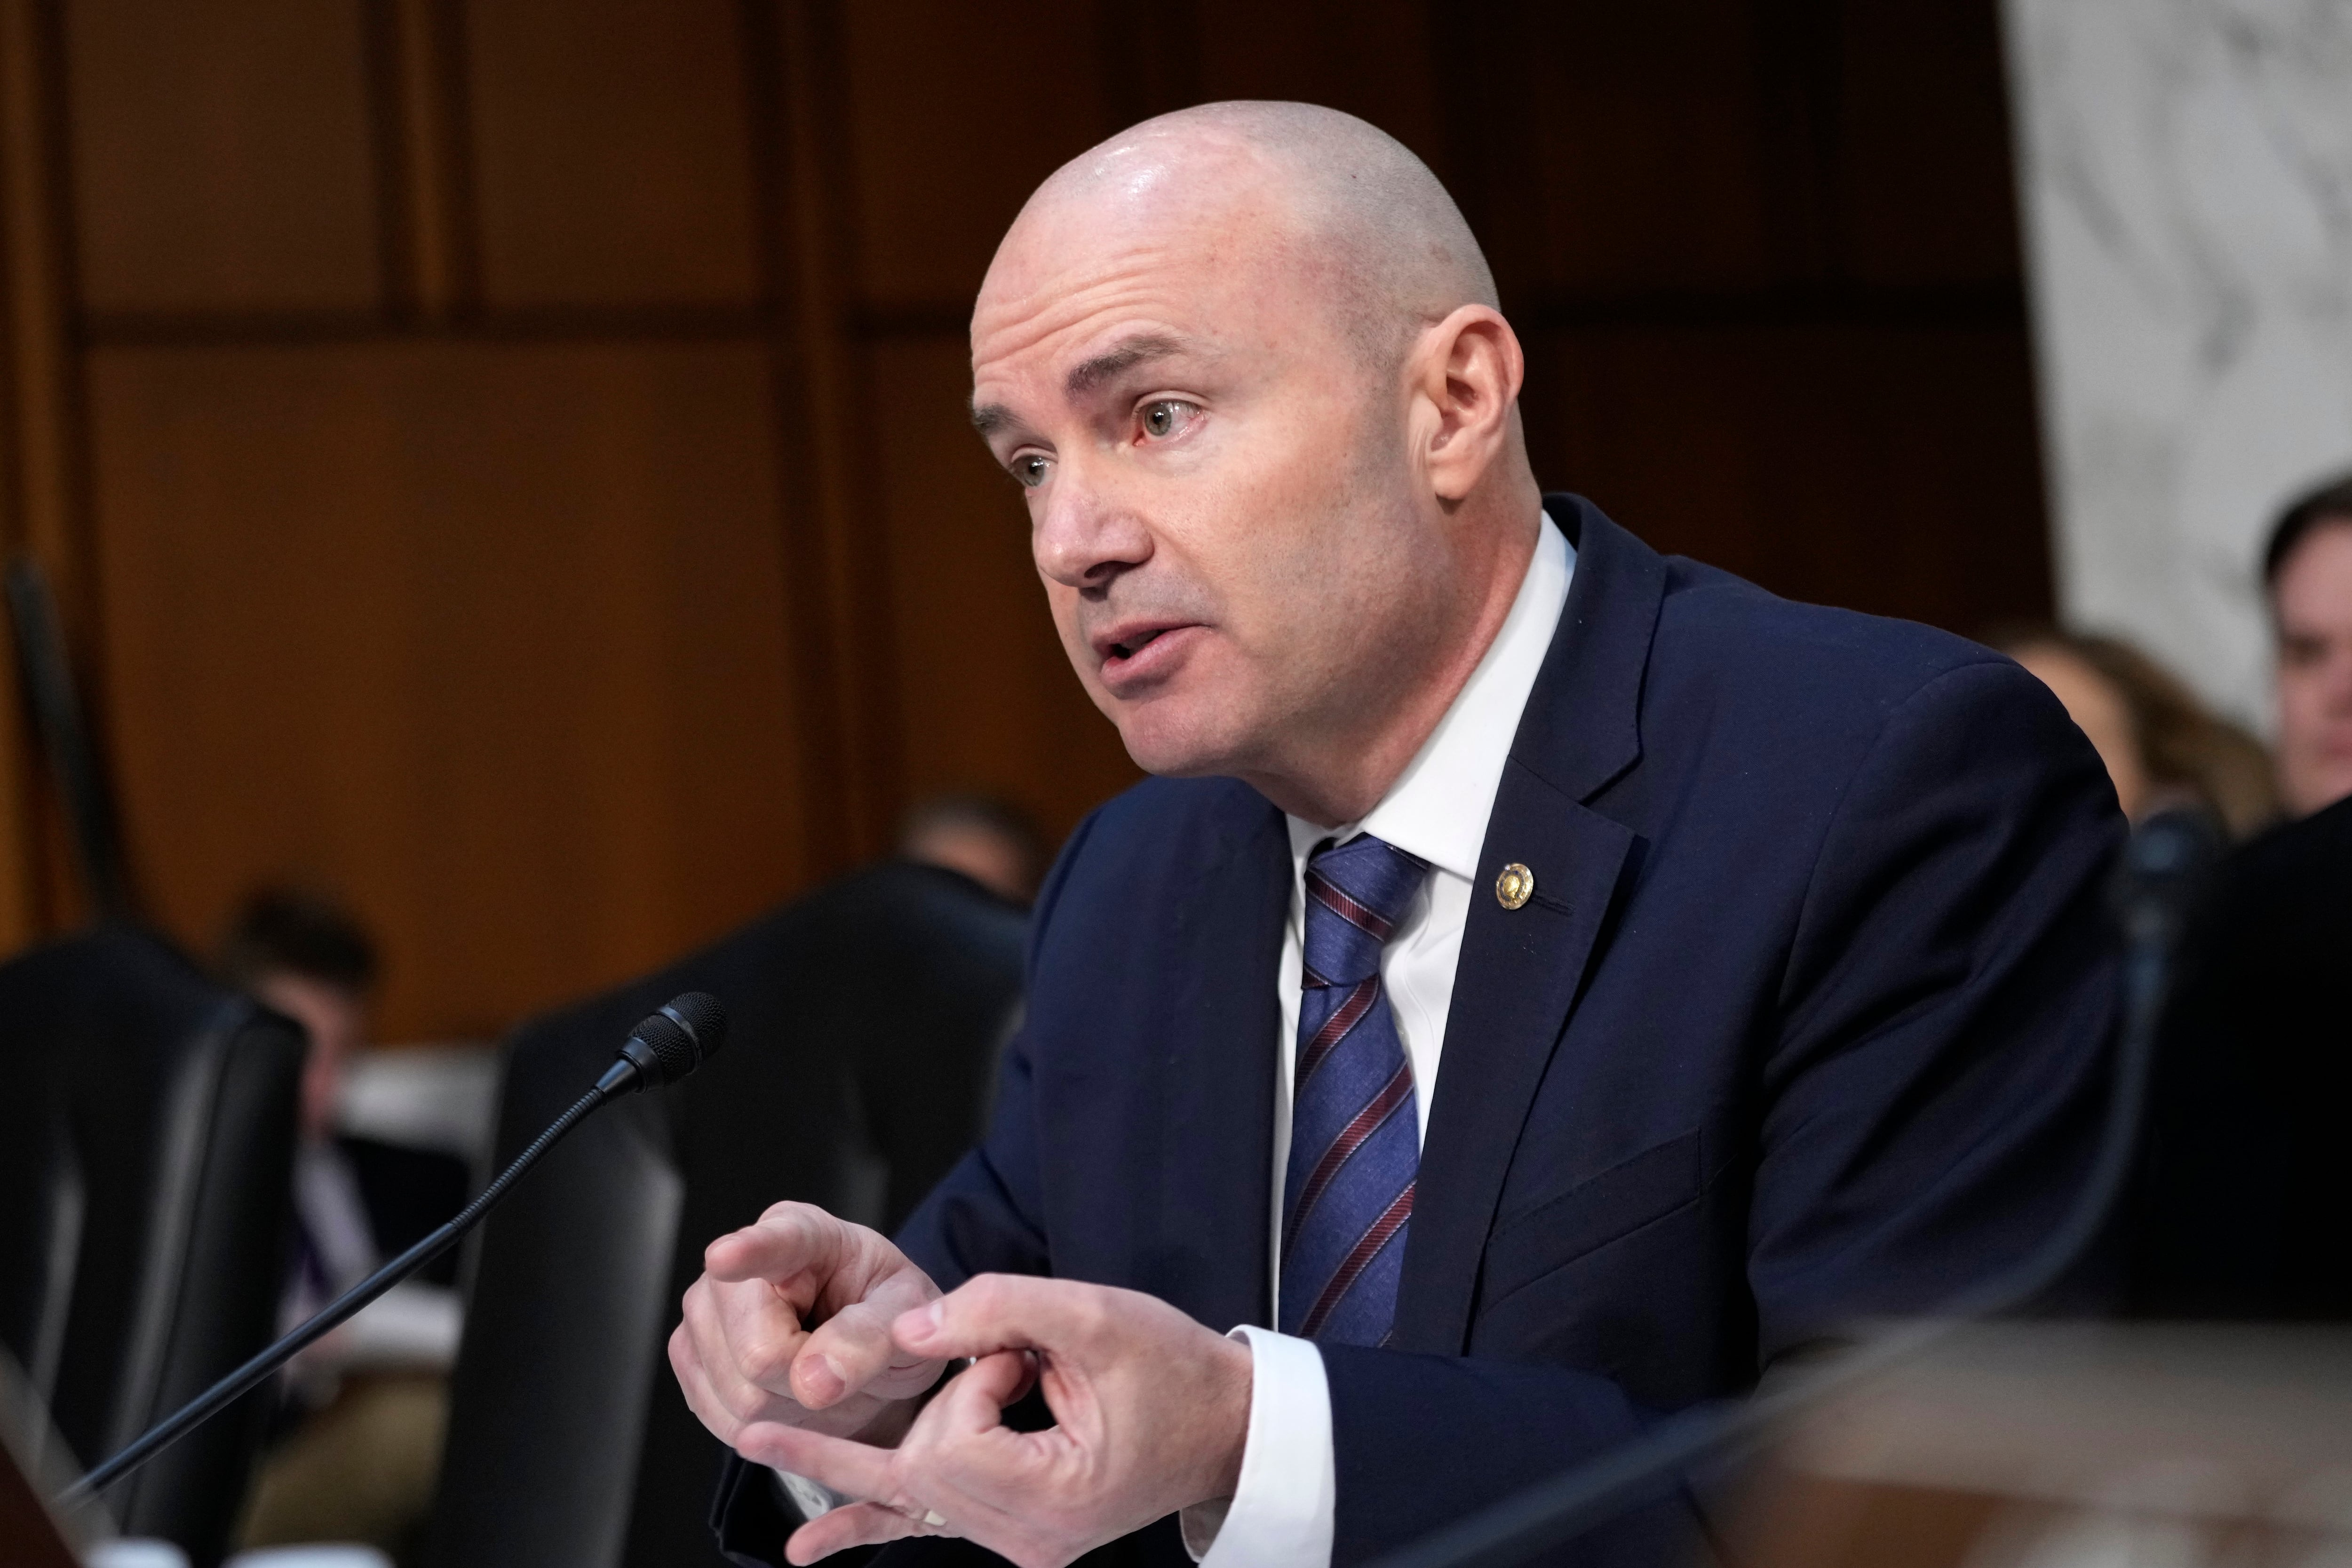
<point x="864" y="1023"/>
<point x="146" y="1151"/>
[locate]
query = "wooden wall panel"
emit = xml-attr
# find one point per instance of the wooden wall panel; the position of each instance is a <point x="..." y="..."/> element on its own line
<point x="491" y="637"/>
<point x="986" y="695"/>
<point x="613" y="152"/>
<point x="943" y="149"/>
<point x="1885" y="469"/>
<point x="222" y="156"/>
<point x="1923" y="140"/>
<point x="521" y="446"/>
<point x="1615" y="148"/>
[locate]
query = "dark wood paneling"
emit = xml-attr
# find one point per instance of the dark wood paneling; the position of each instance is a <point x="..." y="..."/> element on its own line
<point x="613" y="152"/>
<point x="955" y="112"/>
<point x="492" y="638"/>
<point x="533" y="490"/>
<point x="1924" y="144"/>
<point x="1614" y="148"/>
<point x="1886" y="469"/>
<point x="986" y="695"/>
<point x="221" y="156"/>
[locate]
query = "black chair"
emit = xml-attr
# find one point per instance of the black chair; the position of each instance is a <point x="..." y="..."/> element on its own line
<point x="864" y="1022"/>
<point x="2242" y="1211"/>
<point x="146" y="1150"/>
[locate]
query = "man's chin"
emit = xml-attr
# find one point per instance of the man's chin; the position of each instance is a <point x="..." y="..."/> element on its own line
<point x="1165" y="744"/>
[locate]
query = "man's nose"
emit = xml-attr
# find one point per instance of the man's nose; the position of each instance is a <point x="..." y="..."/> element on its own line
<point x="1086" y="533"/>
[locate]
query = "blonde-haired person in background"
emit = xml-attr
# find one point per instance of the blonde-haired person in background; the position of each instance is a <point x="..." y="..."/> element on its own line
<point x="2163" y="748"/>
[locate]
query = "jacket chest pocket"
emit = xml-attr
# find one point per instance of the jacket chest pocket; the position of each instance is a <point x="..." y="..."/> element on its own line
<point x="1588" y="1216"/>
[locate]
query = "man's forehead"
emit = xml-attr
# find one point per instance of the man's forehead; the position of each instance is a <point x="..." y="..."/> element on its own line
<point x="1082" y="292"/>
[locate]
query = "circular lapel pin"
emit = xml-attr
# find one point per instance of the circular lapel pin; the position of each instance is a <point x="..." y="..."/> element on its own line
<point x="1513" y="886"/>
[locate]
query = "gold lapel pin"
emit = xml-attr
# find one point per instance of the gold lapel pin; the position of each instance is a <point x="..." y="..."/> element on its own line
<point x="1513" y="886"/>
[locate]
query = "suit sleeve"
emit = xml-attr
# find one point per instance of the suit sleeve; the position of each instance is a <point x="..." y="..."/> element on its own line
<point x="1932" y="1079"/>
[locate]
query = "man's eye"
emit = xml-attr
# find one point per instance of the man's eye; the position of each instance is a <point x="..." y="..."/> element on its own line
<point x="1030" y="470"/>
<point x="1166" y="415"/>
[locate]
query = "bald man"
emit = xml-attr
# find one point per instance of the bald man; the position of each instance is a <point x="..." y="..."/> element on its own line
<point x="1546" y="983"/>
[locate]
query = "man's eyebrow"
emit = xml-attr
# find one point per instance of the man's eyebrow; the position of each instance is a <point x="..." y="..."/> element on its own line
<point x="990" y="418"/>
<point x="1090" y="373"/>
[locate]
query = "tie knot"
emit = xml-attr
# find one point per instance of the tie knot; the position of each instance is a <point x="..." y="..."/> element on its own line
<point x="1356" y="894"/>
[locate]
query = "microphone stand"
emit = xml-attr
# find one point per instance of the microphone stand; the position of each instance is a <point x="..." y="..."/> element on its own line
<point x="343" y="1307"/>
<point x="2160" y="870"/>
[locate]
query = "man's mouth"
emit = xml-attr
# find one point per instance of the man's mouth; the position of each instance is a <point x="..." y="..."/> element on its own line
<point x="1136" y="653"/>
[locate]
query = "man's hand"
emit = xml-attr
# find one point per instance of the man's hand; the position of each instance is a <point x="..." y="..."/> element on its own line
<point x="1152" y="1412"/>
<point x="789" y="1325"/>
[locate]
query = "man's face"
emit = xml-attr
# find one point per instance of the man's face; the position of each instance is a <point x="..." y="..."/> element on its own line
<point x="2312" y="600"/>
<point x="336" y="1021"/>
<point x="1218" y="499"/>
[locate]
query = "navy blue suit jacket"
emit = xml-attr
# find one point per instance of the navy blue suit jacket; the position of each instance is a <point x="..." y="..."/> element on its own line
<point x="1806" y="1020"/>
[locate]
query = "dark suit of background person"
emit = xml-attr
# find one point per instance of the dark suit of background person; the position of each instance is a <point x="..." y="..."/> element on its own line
<point x="1806" y="1020"/>
<point x="2247" y="1207"/>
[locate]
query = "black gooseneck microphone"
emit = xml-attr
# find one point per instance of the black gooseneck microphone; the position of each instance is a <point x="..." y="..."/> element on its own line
<point x="665" y="1047"/>
<point x="2162" y="868"/>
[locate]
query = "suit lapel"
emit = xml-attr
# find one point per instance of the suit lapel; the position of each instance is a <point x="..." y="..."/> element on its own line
<point x="1217" y="1201"/>
<point x="1521" y="969"/>
<point x="1519" y="974"/>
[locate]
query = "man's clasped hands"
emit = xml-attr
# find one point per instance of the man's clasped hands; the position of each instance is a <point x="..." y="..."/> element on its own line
<point x="816" y="1346"/>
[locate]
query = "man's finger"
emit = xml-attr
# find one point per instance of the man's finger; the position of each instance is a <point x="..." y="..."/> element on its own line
<point x="790" y="1239"/>
<point x="706" y="1405"/>
<point x="974" y="1399"/>
<point x="962" y="1441"/>
<point x="857" y="1524"/>
<point x="845" y="1352"/>
<point x="742" y="1339"/>
<point x="997" y="1312"/>
<point x="857" y="1469"/>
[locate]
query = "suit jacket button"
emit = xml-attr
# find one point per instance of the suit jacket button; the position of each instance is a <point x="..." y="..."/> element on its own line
<point x="1513" y="886"/>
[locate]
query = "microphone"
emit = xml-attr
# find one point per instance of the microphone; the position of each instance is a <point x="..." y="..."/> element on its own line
<point x="2153" y="889"/>
<point x="665" y="1047"/>
<point x="668" y="1044"/>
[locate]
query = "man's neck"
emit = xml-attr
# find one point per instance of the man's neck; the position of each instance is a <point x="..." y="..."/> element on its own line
<point x="1350" y="774"/>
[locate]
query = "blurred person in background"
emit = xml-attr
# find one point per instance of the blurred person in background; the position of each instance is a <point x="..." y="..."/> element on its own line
<point x="358" y="1435"/>
<point x="2162" y="747"/>
<point x="2245" y="1185"/>
<point x="987" y="838"/>
<point x="2307" y="570"/>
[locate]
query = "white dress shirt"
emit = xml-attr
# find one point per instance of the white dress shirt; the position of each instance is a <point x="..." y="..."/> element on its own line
<point x="1281" y="1516"/>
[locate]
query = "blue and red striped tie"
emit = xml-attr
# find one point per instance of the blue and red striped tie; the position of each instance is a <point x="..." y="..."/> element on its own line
<point x="1355" y="1132"/>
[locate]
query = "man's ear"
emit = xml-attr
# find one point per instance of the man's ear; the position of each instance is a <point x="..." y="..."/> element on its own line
<point x="1467" y="369"/>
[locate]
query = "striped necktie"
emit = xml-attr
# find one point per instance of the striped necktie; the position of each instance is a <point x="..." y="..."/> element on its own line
<point x="1355" y="1133"/>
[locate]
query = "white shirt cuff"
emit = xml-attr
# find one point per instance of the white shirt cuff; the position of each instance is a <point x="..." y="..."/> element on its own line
<point x="1281" y="1514"/>
<point x="814" y="1499"/>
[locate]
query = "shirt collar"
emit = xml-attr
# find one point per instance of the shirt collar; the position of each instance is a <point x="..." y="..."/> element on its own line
<point x="1437" y="809"/>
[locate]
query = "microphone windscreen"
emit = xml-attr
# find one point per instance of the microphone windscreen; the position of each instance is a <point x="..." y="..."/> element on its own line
<point x="702" y="1016"/>
<point x="668" y="1045"/>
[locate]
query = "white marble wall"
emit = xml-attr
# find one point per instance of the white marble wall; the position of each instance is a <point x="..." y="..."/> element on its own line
<point x="2187" y="171"/>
